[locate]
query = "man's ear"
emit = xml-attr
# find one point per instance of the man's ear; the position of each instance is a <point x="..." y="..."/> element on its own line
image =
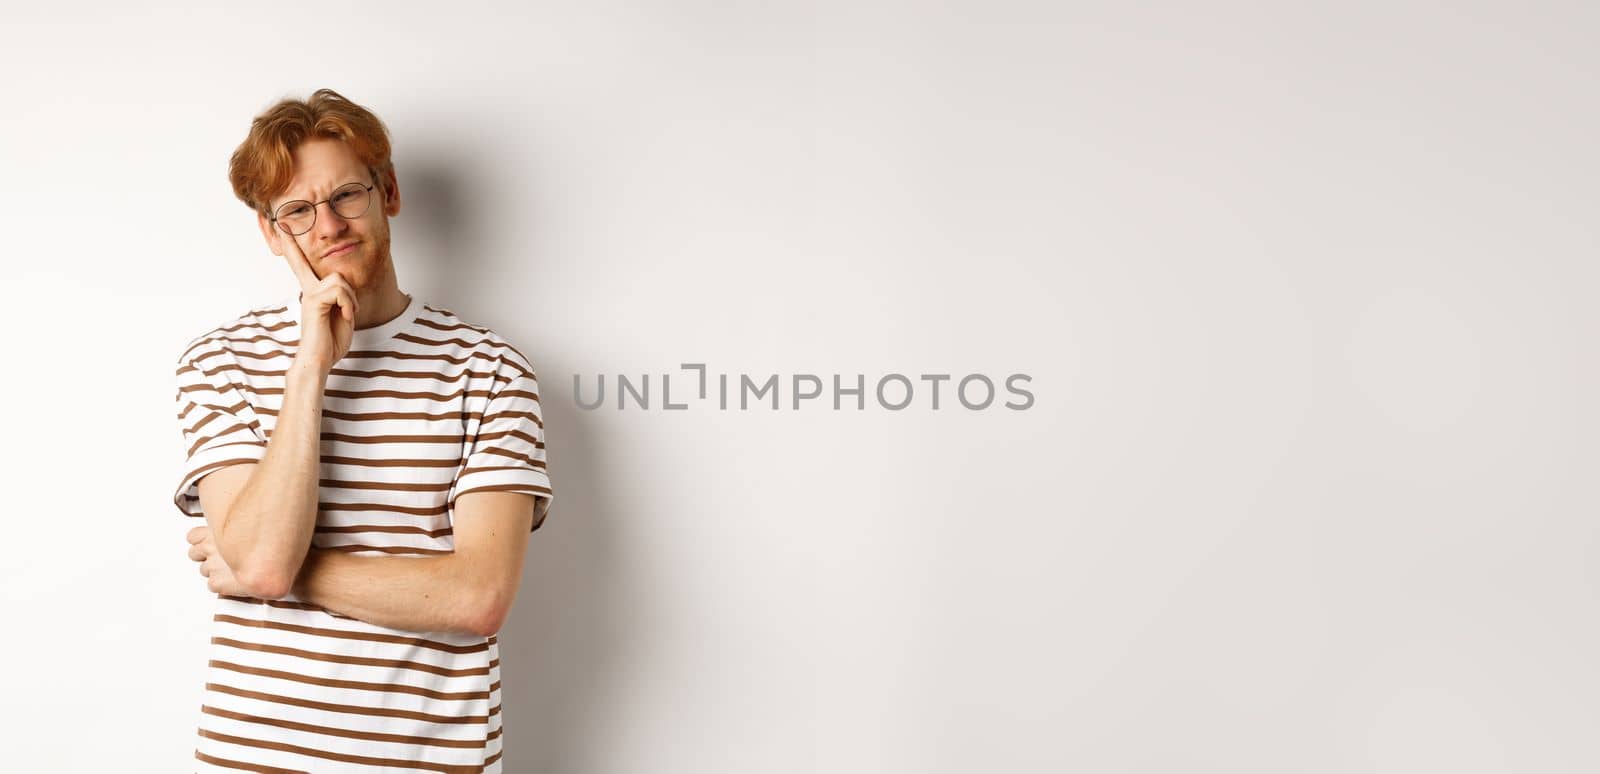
<point x="391" y="199"/>
<point x="270" y="233"/>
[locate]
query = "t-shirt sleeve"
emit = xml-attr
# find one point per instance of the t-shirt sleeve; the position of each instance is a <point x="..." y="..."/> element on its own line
<point x="218" y="427"/>
<point x="507" y="454"/>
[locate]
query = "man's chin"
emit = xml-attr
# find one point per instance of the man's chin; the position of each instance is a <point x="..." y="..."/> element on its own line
<point x="350" y="265"/>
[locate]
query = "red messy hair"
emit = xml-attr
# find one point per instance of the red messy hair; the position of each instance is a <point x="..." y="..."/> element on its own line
<point x="263" y="164"/>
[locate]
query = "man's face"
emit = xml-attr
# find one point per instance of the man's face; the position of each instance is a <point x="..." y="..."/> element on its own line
<point x="320" y="166"/>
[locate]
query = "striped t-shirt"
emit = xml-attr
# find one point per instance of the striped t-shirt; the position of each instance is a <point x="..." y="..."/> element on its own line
<point x="422" y="409"/>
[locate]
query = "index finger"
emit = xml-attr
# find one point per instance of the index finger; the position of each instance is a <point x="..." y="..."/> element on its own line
<point x="297" y="261"/>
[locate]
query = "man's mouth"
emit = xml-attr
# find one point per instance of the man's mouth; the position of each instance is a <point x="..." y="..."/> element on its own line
<point x="341" y="250"/>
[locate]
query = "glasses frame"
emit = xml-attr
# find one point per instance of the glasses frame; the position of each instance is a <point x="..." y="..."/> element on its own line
<point x="328" y="201"/>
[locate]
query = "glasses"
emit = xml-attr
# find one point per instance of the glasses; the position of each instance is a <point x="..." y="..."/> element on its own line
<point x="349" y="201"/>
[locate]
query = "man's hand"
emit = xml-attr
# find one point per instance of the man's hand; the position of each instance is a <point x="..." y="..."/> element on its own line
<point x="219" y="576"/>
<point x="327" y="310"/>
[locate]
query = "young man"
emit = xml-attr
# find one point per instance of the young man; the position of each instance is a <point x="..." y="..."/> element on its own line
<point x="369" y="468"/>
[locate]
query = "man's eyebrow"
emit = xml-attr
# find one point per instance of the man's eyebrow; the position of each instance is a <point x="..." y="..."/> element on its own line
<point x="288" y="198"/>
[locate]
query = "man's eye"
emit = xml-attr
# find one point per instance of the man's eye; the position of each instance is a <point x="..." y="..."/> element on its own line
<point x="295" y="212"/>
<point x="346" y="197"/>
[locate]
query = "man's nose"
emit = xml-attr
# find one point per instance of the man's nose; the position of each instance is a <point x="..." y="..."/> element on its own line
<point x="329" y="224"/>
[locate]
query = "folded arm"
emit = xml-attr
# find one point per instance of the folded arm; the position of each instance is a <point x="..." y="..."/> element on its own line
<point x="262" y="515"/>
<point x="469" y="591"/>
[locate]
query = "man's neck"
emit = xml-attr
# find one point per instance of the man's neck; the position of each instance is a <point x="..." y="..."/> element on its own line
<point x="380" y="306"/>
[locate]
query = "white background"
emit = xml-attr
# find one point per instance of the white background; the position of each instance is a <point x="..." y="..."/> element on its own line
<point x="1306" y="295"/>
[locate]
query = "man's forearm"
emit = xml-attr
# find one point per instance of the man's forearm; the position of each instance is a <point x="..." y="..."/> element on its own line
<point x="411" y="593"/>
<point x="270" y="524"/>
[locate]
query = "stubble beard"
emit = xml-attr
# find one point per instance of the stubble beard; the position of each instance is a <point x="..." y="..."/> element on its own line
<point x="369" y="274"/>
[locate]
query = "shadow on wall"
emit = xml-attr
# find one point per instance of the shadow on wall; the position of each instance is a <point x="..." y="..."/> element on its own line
<point x="557" y="648"/>
<point x="436" y="219"/>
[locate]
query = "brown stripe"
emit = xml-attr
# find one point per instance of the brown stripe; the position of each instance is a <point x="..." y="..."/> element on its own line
<point x="538" y="444"/>
<point x="229" y="410"/>
<point x="360" y="373"/>
<point x="241" y="765"/>
<point x="355" y="685"/>
<point x="406" y="509"/>
<point x="355" y="394"/>
<point x="444" y="768"/>
<point x="351" y="709"/>
<point x="458" y="326"/>
<point x="498" y="349"/>
<point x="514" y="415"/>
<point x="328" y="682"/>
<point x="395" y="663"/>
<point x="484" y="347"/>
<point x="241" y="369"/>
<point x="295" y="342"/>
<point x="357" y="416"/>
<point x="286" y="604"/>
<point x="443" y="312"/>
<point x="529" y="488"/>
<point x="214" y="333"/>
<point x="494" y="468"/>
<point x="453" y="317"/>
<point x="439" y="396"/>
<point x="469" y="744"/>
<point x="202" y="423"/>
<point x="252" y="319"/>
<point x="386" y="486"/>
<point x="420" y="374"/>
<point x="365" y="354"/>
<point x="347" y="438"/>
<point x="439" y="343"/>
<point x="390" y="463"/>
<point x="225" y="431"/>
<point x="244" y="354"/>
<point x="348" y="635"/>
<point x="518" y="456"/>
<point x="398" y="550"/>
<point x="362" y="417"/>
<point x="378" y="353"/>
<point x="393" y="529"/>
<point x="520" y="356"/>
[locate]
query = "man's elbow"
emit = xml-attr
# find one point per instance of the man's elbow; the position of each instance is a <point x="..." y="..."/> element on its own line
<point x="489" y="614"/>
<point x="265" y="585"/>
<point x="264" y="572"/>
<point x="267" y="580"/>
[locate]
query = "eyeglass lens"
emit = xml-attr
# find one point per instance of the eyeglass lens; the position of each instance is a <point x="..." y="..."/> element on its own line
<point x="348" y="201"/>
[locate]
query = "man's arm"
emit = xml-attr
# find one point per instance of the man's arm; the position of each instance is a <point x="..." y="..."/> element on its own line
<point x="262" y="515"/>
<point x="262" y="518"/>
<point x="469" y="591"/>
